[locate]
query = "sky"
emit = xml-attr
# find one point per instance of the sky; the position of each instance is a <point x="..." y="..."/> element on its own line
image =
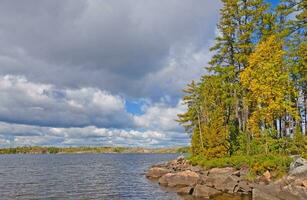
<point x="100" y="72"/>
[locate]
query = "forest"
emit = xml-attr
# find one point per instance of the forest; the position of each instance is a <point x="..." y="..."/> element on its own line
<point x="250" y="105"/>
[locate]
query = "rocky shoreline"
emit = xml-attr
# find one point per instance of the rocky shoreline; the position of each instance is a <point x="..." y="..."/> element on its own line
<point x="196" y="182"/>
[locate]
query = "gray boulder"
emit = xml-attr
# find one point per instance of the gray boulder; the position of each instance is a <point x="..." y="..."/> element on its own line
<point x="298" y="167"/>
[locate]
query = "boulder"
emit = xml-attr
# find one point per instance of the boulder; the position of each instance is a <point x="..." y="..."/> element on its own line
<point x="180" y="164"/>
<point x="261" y="195"/>
<point x="185" y="190"/>
<point x="298" y="182"/>
<point x="292" y="192"/>
<point x="243" y="187"/>
<point x="229" y="185"/>
<point x="305" y="183"/>
<point x="222" y="171"/>
<point x="165" y="178"/>
<point x="203" y="191"/>
<point x="179" y="179"/>
<point x="180" y="159"/>
<point x="298" y="167"/>
<point x="276" y="192"/>
<point x="266" y="177"/>
<point x="222" y="179"/>
<point x="209" y="181"/>
<point x="196" y="169"/>
<point x="156" y="172"/>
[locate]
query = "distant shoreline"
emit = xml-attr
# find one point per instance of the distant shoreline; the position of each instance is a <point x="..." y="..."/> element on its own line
<point x="89" y="150"/>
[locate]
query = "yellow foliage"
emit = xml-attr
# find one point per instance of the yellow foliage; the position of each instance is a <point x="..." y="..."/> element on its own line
<point x="268" y="82"/>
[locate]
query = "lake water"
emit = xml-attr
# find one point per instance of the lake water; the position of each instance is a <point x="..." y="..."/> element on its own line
<point x="81" y="176"/>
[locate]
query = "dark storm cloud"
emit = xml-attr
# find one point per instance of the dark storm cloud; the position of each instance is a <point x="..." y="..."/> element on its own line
<point x="109" y="44"/>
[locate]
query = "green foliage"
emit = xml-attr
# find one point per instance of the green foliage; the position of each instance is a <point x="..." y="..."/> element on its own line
<point x="183" y="150"/>
<point x="53" y="150"/>
<point x="119" y="149"/>
<point x="257" y="164"/>
<point x="249" y="109"/>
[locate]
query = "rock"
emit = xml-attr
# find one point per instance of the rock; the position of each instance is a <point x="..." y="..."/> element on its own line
<point x="276" y="192"/>
<point x="266" y="177"/>
<point x="243" y="187"/>
<point x="222" y="179"/>
<point x="298" y="167"/>
<point x="298" y="182"/>
<point x="209" y="181"/>
<point x="180" y="164"/>
<point x="292" y="192"/>
<point x="258" y="194"/>
<point x="180" y="159"/>
<point x="223" y="183"/>
<point x="185" y="178"/>
<point x="229" y="184"/>
<point x="195" y="169"/>
<point x="156" y="172"/>
<point x="164" y="179"/>
<point x="185" y="190"/>
<point x="203" y="191"/>
<point x="220" y="171"/>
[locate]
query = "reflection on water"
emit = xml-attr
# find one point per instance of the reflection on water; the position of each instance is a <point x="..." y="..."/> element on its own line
<point x="82" y="176"/>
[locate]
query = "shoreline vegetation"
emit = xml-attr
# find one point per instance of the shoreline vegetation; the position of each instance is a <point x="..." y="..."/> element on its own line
<point x="86" y="149"/>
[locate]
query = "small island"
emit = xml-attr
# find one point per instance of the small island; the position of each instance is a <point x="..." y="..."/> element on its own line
<point x="247" y="115"/>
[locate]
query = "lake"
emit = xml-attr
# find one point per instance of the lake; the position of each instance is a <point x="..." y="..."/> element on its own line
<point x="81" y="176"/>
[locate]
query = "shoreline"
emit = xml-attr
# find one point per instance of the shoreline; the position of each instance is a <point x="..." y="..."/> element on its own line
<point x="89" y="150"/>
<point x="196" y="182"/>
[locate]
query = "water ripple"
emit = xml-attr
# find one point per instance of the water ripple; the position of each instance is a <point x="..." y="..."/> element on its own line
<point x="82" y="176"/>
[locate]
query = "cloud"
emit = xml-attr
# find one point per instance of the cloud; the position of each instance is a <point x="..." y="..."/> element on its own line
<point x="25" y="102"/>
<point x="160" y="116"/>
<point x="90" y="135"/>
<point x="115" y="46"/>
<point x="184" y="64"/>
<point x="42" y="114"/>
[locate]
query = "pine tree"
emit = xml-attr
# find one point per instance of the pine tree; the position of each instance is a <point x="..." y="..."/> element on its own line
<point x="292" y="24"/>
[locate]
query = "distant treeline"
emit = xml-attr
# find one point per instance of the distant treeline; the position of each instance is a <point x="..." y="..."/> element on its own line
<point x="67" y="150"/>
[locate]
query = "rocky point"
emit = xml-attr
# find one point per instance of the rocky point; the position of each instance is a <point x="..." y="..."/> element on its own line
<point x="191" y="180"/>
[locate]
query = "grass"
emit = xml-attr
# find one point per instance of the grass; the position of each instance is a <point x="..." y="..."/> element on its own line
<point x="278" y="165"/>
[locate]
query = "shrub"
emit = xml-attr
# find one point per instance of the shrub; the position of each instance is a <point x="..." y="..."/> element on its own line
<point x="277" y="164"/>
